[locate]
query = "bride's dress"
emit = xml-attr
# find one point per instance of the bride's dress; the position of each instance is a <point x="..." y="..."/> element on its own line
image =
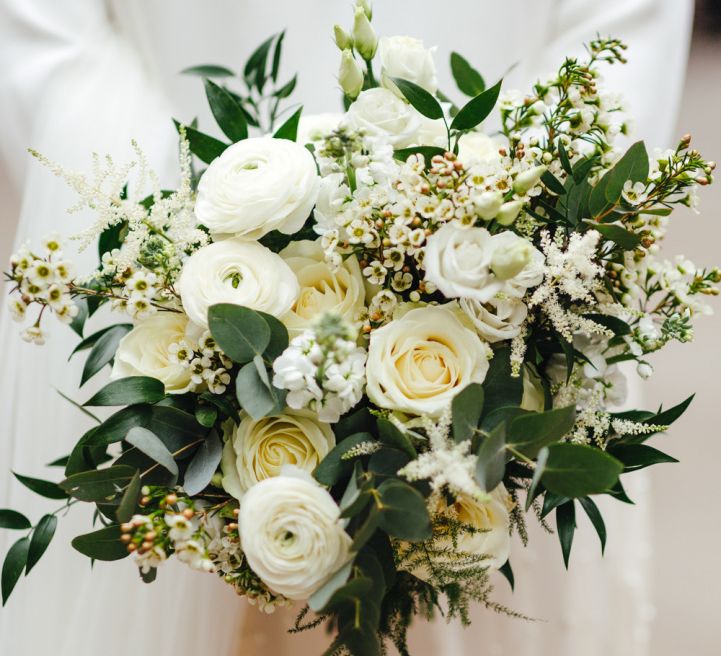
<point x="83" y="75"/>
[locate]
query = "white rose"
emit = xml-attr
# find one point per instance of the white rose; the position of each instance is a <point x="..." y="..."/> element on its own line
<point x="292" y="535"/>
<point x="258" y="185"/>
<point x="256" y="450"/>
<point x="380" y="113"/>
<point x="470" y="263"/>
<point x="144" y="351"/>
<point x="496" y="320"/>
<point x="405" y="57"/>
<point x="420" y="361"/>
<point x="240" y="272"/>
<point x="490" y="516"/>
<point x="321" y="288"/>
<point x="315" y="127"/>
<point x="475" y="147"/>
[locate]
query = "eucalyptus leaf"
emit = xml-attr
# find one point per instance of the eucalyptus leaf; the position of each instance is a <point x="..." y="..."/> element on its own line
<point x="466" y="411"/>
<point x="239" y="331"/>
<point x="390" y="434"/>
<point x="129" y="501"/>
<point x="203" y="465"/>
<point x="577" y="470"/>
<point x="257" y="399"/>
<point x="626" y="239"/>
<point x="320" y="598"/>
<point x="151" y="445"/>
<point x="533" y="431"/>
<point x="402" y="511"/>
<point x="541" y="460"/>
<point x="500" y="387"/>
<point x="334" y="467"/>
<point x="491" y="461"/>
<point x="99" y="484"/>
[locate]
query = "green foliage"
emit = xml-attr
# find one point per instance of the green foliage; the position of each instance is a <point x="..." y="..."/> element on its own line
<point x="402" y="511"/>
<point x="203" y="465"/>
<point x="468" y="79"/>
<point x="477" y="110"/>
<point x="12" y="519"/>
<point x="500" y="387"/>
<point x="129" y="500"/>
<point x="152" y="446"/>
<point x="334" y="467"/>
<point x="626" y="239"/>
<point x="428" y="152"/>
<point x="208" y="70"/>
<point x="103" y="345"/>
<point x="577" y="470"/>
<point x="129" y="391"/>
<point x="390" y="434"/>
<point x="419" y="98"/>
<point x="466" y="410"/>
<point x="43" y="488"/>
<point x="203" y="146"/>
<point x="258" y="397"/>
<point x="240" y="332"/>
<point x="103" y="544"/>
<point x="594" y="514"/>
<point x="98" y="485"/>
<point x="638" y="456"/>
<point x="566" y="526"/>
<point x="227" y="112"/>
<point x="42" y="535"/>
<point x="531" y="432"/>
<point x="491" y="462"/>
<point x="289" y="129"/>
<point x="13" y="566"/>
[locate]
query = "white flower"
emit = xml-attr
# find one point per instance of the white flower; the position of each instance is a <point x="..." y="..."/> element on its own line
<point x="380" y="113"/>
<point x="322" y="288"/>
<point x="145" y="351"/>
<point x="476" y="147"/>
<point x="406" y="58"/>
<point x="34" y="335"/>
<point x="240" y="272"/>
<point x="497" y="320"/>
<point x="292" y="535"/>
<point x="350" y="74"/>
<point x="17" y="308"/>
<point x="419" y="362"/>
<point x="315" y="127"/>
<point x="258" y="185"/>
<point x="258" y="449"/>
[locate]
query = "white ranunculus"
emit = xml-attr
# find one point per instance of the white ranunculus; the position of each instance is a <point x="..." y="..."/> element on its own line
<point x="420" y="361"/>
<point x="315" y="127"/>
<point x="258" y="185"/>
<point x="475" y="147"/>
<point x="144" y="351"/>
<point x="240" y="272"/>
<point x="258" y="449"/>
<point x="407" y="58"/>
<point x="292" y="535"/>
<point x="380" y="113"/>
<point x="322" y="289"/>
<point x="497" y="320"/>
<point x="470" y="263"/>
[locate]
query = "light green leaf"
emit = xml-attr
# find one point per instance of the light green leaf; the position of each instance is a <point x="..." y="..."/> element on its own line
<point x="203" y="465"/>
<point x="466" y="410"/>
<point x="129" y="502"/>
<point x="150" y="444"/>
<point x="491" y="462"/>
<point x="254" y="396"/>
<point x="239" y="331"/>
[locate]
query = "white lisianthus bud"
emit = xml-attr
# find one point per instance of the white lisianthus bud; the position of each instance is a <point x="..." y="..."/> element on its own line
<point x="528" y="179"/>
<point x="365" y="39"/>
<point x="644" y="370"/>
<point x="366" y="6"/>
<point x="350" y="75"/>
<point x="291" y="533"/>
<point x="510" y="259"/>
<point x="342" y="39"/>
<point x="488" y="204"/>
<point x="509" y="212"/>
<point x="407" y="58"/>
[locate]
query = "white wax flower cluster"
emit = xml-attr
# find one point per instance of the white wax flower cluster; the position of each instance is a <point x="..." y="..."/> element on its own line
<point x="323" y="370"/>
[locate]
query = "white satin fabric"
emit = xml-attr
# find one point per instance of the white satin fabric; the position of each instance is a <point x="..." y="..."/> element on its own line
<point x="83" y="75"/>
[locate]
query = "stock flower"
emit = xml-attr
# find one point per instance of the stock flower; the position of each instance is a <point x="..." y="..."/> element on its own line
<point x="380" y="113"/>
<point x="322" y="288"/>
<point x="420" y="361"/>
<point x="258" y="185"/>
<point x="291" y="533"/>
<point x="258" y="449"/>
<point x="236" y="271"/>
<point x="145" y="351"/>
<point x="406" y="58"/>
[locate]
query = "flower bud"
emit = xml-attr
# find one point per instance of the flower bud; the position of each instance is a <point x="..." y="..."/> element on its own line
<point x="528" y="179"/>
<point x="364" y="37"/>
<point x="509" y="212"/>
<point x="644" y="370"/>
<point x="350" y="75"/>
<point x="488" y="204"/>
<point x="342" y="39"/>
<point x="366" y="6"/>
<point x="508" y="261"/>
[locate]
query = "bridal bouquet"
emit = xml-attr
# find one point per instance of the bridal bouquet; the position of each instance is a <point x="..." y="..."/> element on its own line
<point x="356" y="350"/>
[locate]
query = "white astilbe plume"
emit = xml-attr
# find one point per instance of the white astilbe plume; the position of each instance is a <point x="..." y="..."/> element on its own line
<point x="574" y="273"/>
<point x="447" y="463"/>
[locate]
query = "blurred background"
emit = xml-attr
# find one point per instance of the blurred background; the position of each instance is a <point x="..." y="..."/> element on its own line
<point x="687" y="531"/>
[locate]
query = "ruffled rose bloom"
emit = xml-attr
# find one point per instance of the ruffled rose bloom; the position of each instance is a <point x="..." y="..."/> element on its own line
<point x="491" y="516"/>
<point x="144" y="351"/>
<point x="240" y="272"/>
<point x="497" y="320"/>
<point x="407" y="58"/>
<point x="258" y="185"/>
<point x="322" y="289"/>
<point x="380" y="113"/>
<point x="472" y="263"/>
<point x="420" y="361"/>
<point x="292" y="535"/>
<point x="256" y="450"/>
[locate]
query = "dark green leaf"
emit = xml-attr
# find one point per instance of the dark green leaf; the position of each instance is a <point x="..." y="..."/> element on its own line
<point x="632" y="167"/>
<point x="85" y="411"/>
<point x="203" y="465"/>
<point x="203" y="146"/>
<point x="206" y="415"/>
<point x="78" y="321"/>
<point x="111" y="238"/>
<point x="563" y="156"/>
<point x="333" y="467"/>
<point x="287" y="88"/>
<point x="428" y="152"/>
<point x="466" y="409"/>
<point x="98" y="485"/>
<point x="491" y="463"/>
<point x="277" y="51"/>
<point x="667" y="417"/>
<point x="476" y="110"/>
<point x="239" y="331"/>
<point x="541" y="460"/>
<point x="254" y="396"/>
<point x="419" y="98"/>
<point x="104" y="344"/>
<point x="227" y="112"/>
<point x="13" y="519"/>
<point x="553" y="183"/>
<point x="508" y="574"/>
<point x="278" y="336"/>
<point x="254" y="71"/>
<point x="390" y="434"/>
<point x="402" y="511"/>
<point x="150" y="444"/>
<point x="531" y="432"/>
<point x="551" y="501"/>
<point x="103" y="545"/>
<point x="594" y="514"/>
<point x="638" y="456"/>
<point x="566" y="527"/>
<point x="91" y="340"/>
<point x="320" y="598"/>
<point x="43" y="488"/>
<point x="40" y="540"/>
<point x="577" y="470"/>
<point x="468" y="79"/>
<point x="624" y="238"/>
<point x="129" y="502"/>
<point x="129" y="391"/>
<point x="13" y="566"/>
<point x="500" y="387"/>
<point x="208" y="70"/>
<point x="289" y="129"/>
